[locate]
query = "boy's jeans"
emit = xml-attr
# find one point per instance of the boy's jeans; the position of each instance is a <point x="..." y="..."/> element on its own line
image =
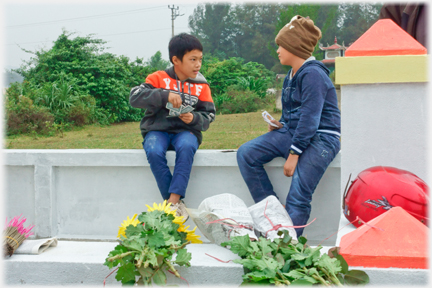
<point x="310" y="168"/>
<point x="155" y="144"/>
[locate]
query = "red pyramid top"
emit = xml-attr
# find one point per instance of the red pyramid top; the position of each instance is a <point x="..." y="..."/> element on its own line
<point x="399" y="240"/>
<point x="385" y="38"/>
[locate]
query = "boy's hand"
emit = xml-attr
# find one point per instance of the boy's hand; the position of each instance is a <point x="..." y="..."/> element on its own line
<point x="186" y="117"/>
<point x="290" y="165"/>
<point x="175" y="99"/>
<point x="271" y="128"/>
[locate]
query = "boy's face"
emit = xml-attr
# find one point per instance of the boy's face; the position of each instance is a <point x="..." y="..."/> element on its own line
<point x="285" y="57"/>
<point x="190" y="66"/>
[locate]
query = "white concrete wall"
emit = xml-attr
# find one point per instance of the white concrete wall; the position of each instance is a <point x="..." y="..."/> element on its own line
<point x="384" y="124"/>
<point x="86" y="194"/>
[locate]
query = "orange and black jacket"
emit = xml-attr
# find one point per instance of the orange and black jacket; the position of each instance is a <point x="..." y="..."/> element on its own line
<point x="153" y="96"/>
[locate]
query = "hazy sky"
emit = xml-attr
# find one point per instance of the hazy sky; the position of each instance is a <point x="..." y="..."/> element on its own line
<point x="131" y="28"/>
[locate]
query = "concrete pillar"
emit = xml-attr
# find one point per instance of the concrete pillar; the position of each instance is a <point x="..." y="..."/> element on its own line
<point x="383" y="82"/>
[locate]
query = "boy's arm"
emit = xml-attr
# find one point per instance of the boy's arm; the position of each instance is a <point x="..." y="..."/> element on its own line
<point x="148" y="97"/>
<point x="204" y="112"/>
<point x="314" y="91"/>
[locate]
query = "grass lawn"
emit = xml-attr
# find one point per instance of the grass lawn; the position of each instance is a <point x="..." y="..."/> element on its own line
<point x="227" y="132"/>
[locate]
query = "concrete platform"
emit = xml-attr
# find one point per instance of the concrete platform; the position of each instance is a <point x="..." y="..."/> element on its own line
<point x="80" y="263"/>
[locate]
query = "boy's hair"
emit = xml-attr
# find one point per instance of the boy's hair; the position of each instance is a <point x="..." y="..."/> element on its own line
<point x="181" y="44"/>
<point x="299" y="36"/>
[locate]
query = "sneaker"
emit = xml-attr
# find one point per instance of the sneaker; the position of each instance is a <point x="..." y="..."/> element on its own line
<point x="181" y="210"/>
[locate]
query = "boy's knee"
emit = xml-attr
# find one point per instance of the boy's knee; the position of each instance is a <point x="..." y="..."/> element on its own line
<point x="186" y="147"/>
<point x="154" y="151"/>
<point x="243" y="153"/>
<point x="240" y="153"/>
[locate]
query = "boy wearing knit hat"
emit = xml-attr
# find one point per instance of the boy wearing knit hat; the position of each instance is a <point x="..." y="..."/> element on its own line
<point x="307" y="135"/>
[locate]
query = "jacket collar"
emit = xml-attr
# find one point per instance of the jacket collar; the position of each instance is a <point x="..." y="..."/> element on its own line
<point x="199" y="79"/>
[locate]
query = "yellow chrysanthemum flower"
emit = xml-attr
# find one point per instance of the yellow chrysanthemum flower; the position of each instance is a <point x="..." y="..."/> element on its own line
<point x="126" y="223"/>
<point x="190" y="234"/>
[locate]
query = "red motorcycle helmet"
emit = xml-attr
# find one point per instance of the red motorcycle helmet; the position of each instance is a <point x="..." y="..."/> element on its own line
<point x="379" y="188"/>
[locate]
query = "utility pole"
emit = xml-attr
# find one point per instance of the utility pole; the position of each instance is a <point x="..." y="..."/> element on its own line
<point x="174" y="14"/>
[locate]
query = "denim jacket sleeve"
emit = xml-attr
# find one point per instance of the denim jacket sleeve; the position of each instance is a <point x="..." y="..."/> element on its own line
<point x="313" y="89"/>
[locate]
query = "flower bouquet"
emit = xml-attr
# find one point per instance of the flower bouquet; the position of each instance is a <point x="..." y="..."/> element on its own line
<point x="14" y="234"/>
<point x="147" y="245"/>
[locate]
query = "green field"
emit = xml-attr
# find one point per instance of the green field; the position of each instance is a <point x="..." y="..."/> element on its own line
<point x="227" y="132"/>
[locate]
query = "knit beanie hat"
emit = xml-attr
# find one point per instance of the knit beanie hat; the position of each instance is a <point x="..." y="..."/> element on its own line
<point x="299" y="36"/>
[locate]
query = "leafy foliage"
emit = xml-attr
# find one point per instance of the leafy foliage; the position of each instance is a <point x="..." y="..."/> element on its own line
<point x="157" y="63"/>
<point x="238" y="100"/>
<point x="286" y="262"/>
<point x="83" y="62"/>
<point x="22" y="116"/>
<point x="221" y="74"/>
<point x="148" y="249"/>
<point x="248" y="30"/>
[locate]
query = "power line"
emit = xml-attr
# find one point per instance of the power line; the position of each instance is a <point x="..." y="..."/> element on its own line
<point x="117" y="34"/>
<point x="85" y="17"/>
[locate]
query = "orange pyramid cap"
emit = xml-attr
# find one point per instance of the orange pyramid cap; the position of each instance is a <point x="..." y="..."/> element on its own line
<point x="393" y="239"/>
<point x="385" y="38"/>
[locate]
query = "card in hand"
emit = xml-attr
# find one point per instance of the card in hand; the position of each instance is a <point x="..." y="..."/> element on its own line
<point x="267" y="117"/>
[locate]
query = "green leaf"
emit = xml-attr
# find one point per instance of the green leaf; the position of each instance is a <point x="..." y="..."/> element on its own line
<point x="183" y="257"/>
<point x="287" y="238"/>
<point x="287" y="266"/>
<point x="257" y="276"/>
<point x="269" y="263"/>
<point x="303" y="282"/>
<point x="126" y="273"/>
<point x="343" y="263"/>
<point x="295" y="274"/>
<point x="160" y="278"/>
<point x="135" y="243"/>
<point x="152" y="258"/>
<point x="330" y="264"/>
<point x="287" y="252"/>
<point x="151" y="219"/>
<point x="156" y="240"/>
<point x="299" y="256"/>
<point x="264" y="246"/>
<point x="145" y="272"/>
<point x="239" y="245"/>
<point x="302" y="240"/>
<point x="356" y="277"/>
<point x="133" y="230"/>
<point x="279" y="258"/>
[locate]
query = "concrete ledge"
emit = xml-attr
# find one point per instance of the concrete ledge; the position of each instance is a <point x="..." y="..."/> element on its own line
<point x="122" y="157"/>
<point x="81" y="263"/>
<point x="86" y="194"/>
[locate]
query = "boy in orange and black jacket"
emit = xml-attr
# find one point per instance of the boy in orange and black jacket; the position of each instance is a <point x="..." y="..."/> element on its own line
<point x="178" y="87"/>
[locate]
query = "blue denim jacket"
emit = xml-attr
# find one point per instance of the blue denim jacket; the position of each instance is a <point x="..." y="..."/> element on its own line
<point x="309" y="104"/>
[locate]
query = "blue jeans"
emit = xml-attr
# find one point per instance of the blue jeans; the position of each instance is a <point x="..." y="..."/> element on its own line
<point x="311" y="166"/>
<point x="156" y="144"/>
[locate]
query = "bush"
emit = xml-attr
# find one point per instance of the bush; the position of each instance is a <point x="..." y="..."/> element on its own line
<point x="82" y="62"/>
<point x="241" y="101"/>
<point x="24" y="117"/>
<point x="221" y="74"/>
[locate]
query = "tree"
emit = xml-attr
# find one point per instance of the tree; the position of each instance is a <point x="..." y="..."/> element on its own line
<point x="248" y="30"/>
<point x="82" y="61"/>
<point x="356" y="18"/>
<point x="157" y="63"/>
<point x="211" y="24"/>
